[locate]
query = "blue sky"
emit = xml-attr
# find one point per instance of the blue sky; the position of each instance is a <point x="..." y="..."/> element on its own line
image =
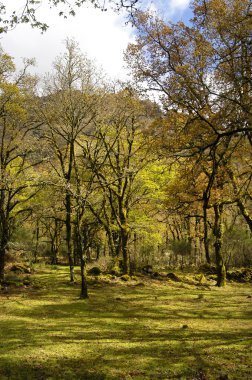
<point x="103" y="36"/>
<point x="171" y="10"/>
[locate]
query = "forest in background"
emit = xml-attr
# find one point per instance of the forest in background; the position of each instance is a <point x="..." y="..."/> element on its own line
<point x="92" y="170"/>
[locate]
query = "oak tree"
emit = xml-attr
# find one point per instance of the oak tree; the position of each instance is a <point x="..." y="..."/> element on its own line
<point x="203" y="73"/>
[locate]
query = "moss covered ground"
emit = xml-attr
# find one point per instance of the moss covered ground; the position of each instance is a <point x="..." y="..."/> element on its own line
<point x="126" y="330"/>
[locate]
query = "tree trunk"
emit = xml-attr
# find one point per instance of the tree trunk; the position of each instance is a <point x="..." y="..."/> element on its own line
<point x="98" y="251"/>
<point x="4" y="239"/>
<point x="76" y="251"/>
<point x="206" y="237"/>
<point x="125" y="252"/>
<point x="2" y="262"/>
<point x="245" y="214"/>
<point x="69" y="236"/>
<point x="37" y="243"/>
<point x="239" y="202"/>
<point x="117" y="242"/>
<point x="55" y="246"/>
<point x="84" y="287"/>
<point x="218" y="233"/>
<point x="111" y="245"/>
<point x="57" y="240"/>
<point x="82" y="246"/>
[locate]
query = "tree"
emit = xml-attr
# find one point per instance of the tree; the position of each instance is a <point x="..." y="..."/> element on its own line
<point x="240" y="176"/>
<point x="116" y="153"/>
<point x="204" y="75"/>
<point x="68" y="109"/>
<point x="18" y="146"/>
<point x="48" y="217"/>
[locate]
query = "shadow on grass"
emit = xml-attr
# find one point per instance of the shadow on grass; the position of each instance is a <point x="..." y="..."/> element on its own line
<point x="125" y="333"/>
<point x="71" y="369"/>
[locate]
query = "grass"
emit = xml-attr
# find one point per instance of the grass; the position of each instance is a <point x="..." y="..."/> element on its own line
<point x="162" y="330"/>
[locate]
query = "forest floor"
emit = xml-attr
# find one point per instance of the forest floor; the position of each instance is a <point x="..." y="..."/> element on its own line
<point x="145" y="329"/>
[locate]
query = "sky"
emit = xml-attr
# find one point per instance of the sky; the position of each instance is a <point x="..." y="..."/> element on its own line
<point x="103" y="36"/>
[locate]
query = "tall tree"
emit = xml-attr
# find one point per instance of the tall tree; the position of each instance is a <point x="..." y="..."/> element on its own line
<point x="18" y="145"/>
<point x="68" y="109"/>
<point x="204" y="75"/>
<point x="119" y="150"/>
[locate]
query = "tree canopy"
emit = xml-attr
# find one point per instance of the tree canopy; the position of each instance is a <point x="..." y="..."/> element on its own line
<point x="203" y="74"/>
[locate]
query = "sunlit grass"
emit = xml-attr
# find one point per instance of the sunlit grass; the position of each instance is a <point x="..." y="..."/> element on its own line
<point x="157" y="331"/>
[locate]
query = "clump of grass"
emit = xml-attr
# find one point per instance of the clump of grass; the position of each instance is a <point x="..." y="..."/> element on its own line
<point x="125" y="277"/>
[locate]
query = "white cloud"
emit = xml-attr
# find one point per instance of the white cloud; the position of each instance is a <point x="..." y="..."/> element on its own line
<point x="178" y="4"/>
<point x="102" y="35"/>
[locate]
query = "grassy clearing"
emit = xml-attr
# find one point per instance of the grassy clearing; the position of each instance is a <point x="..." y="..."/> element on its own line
<point x="161" y="330"/>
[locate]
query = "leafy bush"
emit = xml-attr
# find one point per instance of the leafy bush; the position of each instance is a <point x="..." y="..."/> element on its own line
<point x="125" y="277"/>
<point x="95" y="271"/>
<point x="172" y="276"/>
<point x="116" y="271"/>
<point x="20" y="268"/>
<point x="208" y="269"/>
<point x="12" y="279"/>
<point x="240" y="275"/>
<point x="237" y="246"/>
<point x="181" y="247"/>
<point x="147" y="269"/>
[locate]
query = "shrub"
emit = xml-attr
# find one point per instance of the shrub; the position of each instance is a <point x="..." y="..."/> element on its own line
<point x="12" y="279"/>
<point x="147" y="269"/>
<point x="240" y="275"/>
<point x="173" y="277"/>
<point x="95" y="271"/>
<point x="208" y="269"/>
<point x="125" y="277"/>
<point x="116" y="271"/>
<point x="20" y="268"/>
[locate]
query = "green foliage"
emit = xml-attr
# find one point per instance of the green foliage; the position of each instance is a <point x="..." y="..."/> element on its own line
<point x="201" y="278"/>
<point x="172" y="276"/>
<point x="200" y="70"/>
<point x="125" y="277"/>
<point x="237" y="246"/>
<point x="240" y="275"/>
<point x="12" y="279"/>
<point x="103" y="182"/>
<point x="116" y="271"/>
<point x="20" y="268"/>
<point x="208" y="269"/>
<point x="16" y="280"/>
<point x="181" y="247"/>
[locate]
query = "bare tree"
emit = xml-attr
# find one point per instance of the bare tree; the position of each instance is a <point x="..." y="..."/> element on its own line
<point x="68" y="109"/>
